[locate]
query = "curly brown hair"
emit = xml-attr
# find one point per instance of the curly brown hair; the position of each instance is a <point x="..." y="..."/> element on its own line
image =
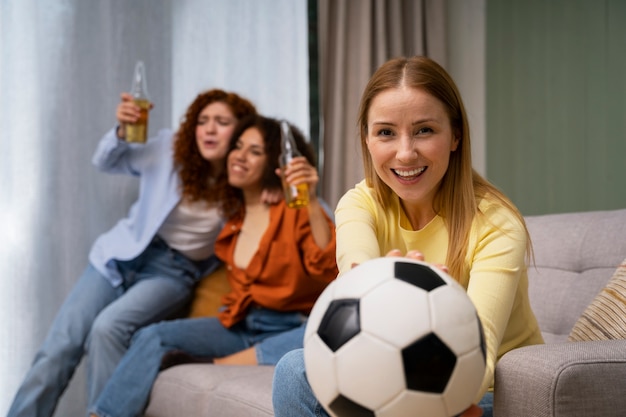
<point x="193" y="169"/>
<point x="231" y="199"/>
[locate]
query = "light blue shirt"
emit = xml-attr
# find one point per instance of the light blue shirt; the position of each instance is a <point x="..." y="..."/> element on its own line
<point x="159" y="193"/>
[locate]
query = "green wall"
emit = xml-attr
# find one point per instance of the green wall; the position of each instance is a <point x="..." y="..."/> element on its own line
<point x="556" y="103"/>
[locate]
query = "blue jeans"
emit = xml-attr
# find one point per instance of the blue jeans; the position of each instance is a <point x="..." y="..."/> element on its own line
<point x="292" y="394"/>
<point x="271" y="333"/>
<point x="99" y="320"/>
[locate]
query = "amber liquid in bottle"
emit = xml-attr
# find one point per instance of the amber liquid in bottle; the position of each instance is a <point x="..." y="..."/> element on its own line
<point x="138" y="132"/>
<point x="296" y="196"/>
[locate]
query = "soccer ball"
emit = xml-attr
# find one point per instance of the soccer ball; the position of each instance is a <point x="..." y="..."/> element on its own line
<point x="394" y="337"/>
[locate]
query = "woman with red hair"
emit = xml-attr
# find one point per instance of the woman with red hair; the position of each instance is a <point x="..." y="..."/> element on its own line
<point x="145" y="268"/>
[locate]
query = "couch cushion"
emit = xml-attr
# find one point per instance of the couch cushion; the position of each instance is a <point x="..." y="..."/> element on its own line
<point x="575" y="256"/>
<point x="203" y="390"/>
<point x="208" y="295"/>
<point x="605" y="317"/>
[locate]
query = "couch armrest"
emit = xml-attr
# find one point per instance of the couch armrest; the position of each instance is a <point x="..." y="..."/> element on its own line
<point x="562" y="379"/>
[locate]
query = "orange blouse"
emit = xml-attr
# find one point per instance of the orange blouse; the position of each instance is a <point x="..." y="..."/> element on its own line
<point x="288" y="271"/>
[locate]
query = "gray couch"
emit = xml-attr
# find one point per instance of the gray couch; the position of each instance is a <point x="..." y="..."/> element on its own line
<point x="575" y="255"/>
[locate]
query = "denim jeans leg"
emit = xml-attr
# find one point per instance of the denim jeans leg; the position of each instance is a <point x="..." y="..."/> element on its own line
<point x="141" y="362"/>
<point x="146" y="302"/>
<point x="486" y="403"/>
<point x="127" y="392"/>
<point x="291" y="392"/>
<point x="271" y="349"/>
<point x="62" y="350"/>
<point x="158" y="283"/>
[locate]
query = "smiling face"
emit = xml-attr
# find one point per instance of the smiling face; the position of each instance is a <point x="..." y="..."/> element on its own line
<point x="410" y="138"/>
<point x="215" y="125"/>
<point x="247" y="161"/>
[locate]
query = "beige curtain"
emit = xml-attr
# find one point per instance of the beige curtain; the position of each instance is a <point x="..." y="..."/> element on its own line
<point x="355" y="38"/>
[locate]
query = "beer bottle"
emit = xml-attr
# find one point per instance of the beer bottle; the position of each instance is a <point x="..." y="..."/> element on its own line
<point x="138" y="131"/>
<point x="296" y="196"/>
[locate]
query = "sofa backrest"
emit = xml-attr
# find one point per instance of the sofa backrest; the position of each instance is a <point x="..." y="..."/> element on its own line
<point x="575" y="255"/>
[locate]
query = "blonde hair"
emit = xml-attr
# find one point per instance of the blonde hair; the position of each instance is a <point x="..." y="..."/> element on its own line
<point x="461" y="187"/>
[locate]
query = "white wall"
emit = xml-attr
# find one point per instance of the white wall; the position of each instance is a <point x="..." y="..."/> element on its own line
<point x="257" y="48"/>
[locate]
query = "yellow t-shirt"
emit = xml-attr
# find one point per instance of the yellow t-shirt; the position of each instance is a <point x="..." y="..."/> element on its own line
<point x="496" y="282"/>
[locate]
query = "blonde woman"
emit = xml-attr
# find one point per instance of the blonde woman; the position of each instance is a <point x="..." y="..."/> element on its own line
<point x="421" y="198"/>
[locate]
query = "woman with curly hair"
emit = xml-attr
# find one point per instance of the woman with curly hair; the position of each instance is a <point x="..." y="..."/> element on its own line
<point x="145" y="268"/>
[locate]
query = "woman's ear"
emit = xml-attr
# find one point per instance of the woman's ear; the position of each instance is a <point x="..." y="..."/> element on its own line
<point x="455" y="141"/>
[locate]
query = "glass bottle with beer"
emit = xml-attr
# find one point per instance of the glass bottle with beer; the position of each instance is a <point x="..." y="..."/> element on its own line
<point x="296" y="196"/>
<point x="138" y="131"/>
